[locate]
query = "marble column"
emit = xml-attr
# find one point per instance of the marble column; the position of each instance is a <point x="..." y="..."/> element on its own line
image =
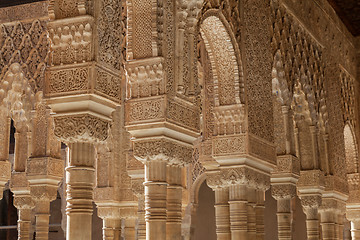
<point x="310" y="206"/>
<point x="24" y="206"/>
<point x="222" y="213"/>
<point x="238" y="211"/>
<point x="155" y="199"/>
<point x="259" y="210"/>
<point x="174" y="199"/>
<point x="141" y="229"/>
<point x="80" y="180"/>
<point x="129" y="230"/>
<point x="251" y="217"/>
<point x="283" y="193"/>
<point x="328" y="225"/>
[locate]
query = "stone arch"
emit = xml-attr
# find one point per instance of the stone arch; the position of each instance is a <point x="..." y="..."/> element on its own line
<point x="351" y="152"/>
<point x="223" y="51"/>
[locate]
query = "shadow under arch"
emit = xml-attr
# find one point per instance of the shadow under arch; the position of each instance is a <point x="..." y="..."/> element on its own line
<point x="203" y="211"/>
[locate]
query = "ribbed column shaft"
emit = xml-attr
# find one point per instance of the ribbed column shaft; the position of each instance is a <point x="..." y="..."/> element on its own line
<point x="174" y="199"/>
<point x="222" y="214"/>
<point x="80" y="180"/>
<point x="155" y="200"/>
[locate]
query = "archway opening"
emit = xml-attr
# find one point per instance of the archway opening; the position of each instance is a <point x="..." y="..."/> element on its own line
<point x="205" y="227"/>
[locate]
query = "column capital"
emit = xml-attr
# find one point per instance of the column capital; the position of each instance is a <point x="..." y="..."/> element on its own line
<point x="283" y="191"/>
<point x="240" y="176"/>
<point x="81" y="128"/>
<point x="163" y="149"/>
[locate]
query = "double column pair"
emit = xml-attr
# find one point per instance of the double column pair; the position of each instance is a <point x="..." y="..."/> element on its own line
<point x="163" y="200"/>
<point x="239" y="211"/>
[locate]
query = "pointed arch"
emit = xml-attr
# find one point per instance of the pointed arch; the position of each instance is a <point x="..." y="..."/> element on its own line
<point x="226" y="67"/>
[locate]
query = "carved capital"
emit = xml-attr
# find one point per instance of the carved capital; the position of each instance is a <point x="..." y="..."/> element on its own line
<point x="238" y="176"/>
<point x="162" y="149"/>
<point x="44" y="192"/>
<point x="107" y="211"/>
<point x="310" y="201"/>
<point x="282" y="191"/>
<point x="81" y="128"/>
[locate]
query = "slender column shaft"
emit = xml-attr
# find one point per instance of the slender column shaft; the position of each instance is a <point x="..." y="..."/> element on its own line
<point x="80" y="179"/>
<point x="238" y="212"/>
<point x="340" y="227"/>
<point x="259" y="210"/>
<point x="141" y="229"/>
<point x="355" y="230"/>
<point x="117" y="229"/>
<point x="108" y="229"/>
<point x="174" y="198"/>
<point x="155" y="200"/>
<point x="284" y="218"/>
<point x="42" y="214"/>
<point x="313" y="131"/>
<point x="328" y="226"/>
<point x="222" y="214"/>
<point x="129" y="230"/>
<point x="251" y="216"/>
<point x="24" y="224"/>
<point x="312" y="223"/>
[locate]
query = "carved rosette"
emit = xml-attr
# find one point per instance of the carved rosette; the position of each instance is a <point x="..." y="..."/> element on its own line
<point x="81" y="128"/>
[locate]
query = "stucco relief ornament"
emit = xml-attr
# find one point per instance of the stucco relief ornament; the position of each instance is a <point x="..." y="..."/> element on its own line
<point x="81" y="128"/>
